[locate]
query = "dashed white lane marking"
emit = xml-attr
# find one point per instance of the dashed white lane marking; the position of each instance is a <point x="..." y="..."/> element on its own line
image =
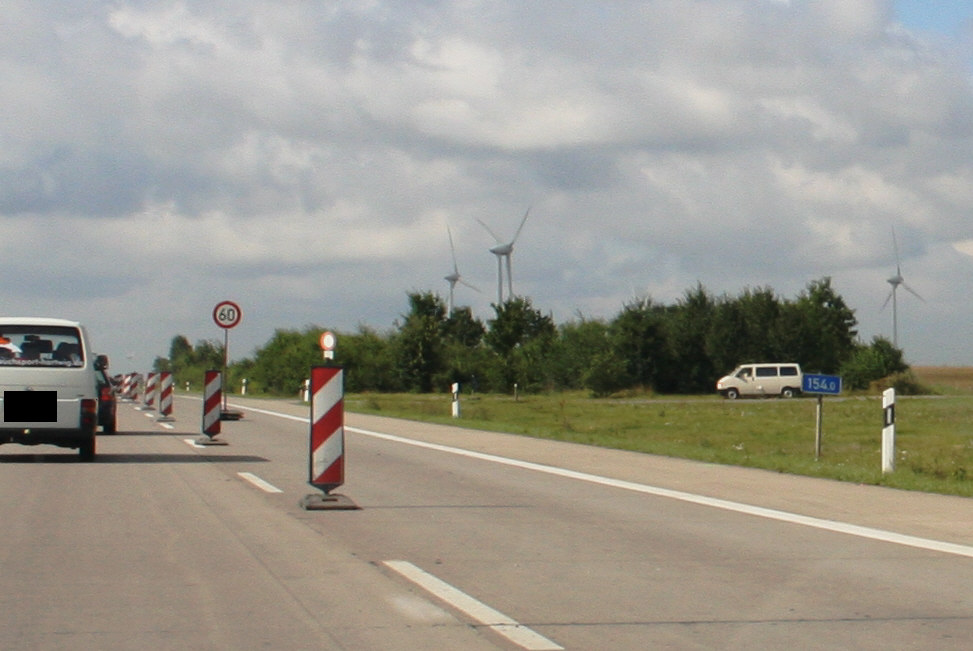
<point x="153" y="415"/>
<point x="501" y="624"/>
<point x="263" y="485"/>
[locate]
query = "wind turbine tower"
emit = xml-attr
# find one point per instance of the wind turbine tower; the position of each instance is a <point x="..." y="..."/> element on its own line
<point x="502" y="251"/>
<point x="454" y="277"/>
<point x="895" y="281"/>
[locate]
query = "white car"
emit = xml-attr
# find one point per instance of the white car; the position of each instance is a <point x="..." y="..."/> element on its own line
<point x="767" y="379"/>
<point x="48" y="389"/>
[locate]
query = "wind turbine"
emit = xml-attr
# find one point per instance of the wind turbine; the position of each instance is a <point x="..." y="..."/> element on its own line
<point x="502" y="251"/>
<point x="895" y="281"/>
<point x="454" y="277"/>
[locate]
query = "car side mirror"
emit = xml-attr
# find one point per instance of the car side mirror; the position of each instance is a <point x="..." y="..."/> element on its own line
<point x="101" y="362"/>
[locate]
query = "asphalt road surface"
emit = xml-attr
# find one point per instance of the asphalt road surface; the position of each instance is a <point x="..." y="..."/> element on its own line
<point x="463" y="540"/>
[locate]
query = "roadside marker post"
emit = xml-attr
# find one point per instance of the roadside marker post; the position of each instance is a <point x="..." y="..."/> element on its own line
<point x="326" y="463"/>
<point x="821" y="385"/>
<point x="888" y="431"/>
<point x="165" y="398"/>
<point x="455" y="390"/>
<point x="212" y="408"/>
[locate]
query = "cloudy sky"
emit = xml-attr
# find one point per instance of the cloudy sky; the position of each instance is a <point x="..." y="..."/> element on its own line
<point x="304" y="159"/>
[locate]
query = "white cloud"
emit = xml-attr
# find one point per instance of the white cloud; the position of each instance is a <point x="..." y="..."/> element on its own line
<point x="304" y="159"/>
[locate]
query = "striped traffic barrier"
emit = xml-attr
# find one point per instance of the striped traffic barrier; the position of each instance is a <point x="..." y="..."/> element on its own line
<point x="212" y="408"/>
<point x="151" y="389"/>
<point x="126" y="388"/>
<point x="165" y="397"/>
<point x="134" y="389"/>
<point x="327" y="440"/>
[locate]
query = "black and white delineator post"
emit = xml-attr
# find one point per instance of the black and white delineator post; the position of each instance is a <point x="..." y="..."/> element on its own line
<point x="326" y="463"/>
<point x="888" y="431"/>
<point x="212" y="409"/>
<point x="455" y="389"/>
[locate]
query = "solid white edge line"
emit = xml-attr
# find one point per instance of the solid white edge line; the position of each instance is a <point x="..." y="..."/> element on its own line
<point x="726" y="505"/>
<point x="501" y="624"/>
<point x="263" y="485"/>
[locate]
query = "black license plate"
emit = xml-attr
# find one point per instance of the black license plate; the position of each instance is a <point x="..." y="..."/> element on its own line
<point x="30" y="406"/>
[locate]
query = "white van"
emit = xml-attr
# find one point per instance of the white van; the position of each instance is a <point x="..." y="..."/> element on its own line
<point x="48" y="389"/>
<point x="784" y="380"/>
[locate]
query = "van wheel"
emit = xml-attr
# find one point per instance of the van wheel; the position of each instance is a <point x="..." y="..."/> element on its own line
<point x="787" y="393"/>
<point x="732" y="394"/>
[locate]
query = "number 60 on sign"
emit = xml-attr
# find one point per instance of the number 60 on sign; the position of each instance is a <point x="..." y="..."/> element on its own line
<point x="227" y="314"/>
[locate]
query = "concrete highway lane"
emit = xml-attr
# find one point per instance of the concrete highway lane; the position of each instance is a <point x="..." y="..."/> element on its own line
<point x="464" y="540"/>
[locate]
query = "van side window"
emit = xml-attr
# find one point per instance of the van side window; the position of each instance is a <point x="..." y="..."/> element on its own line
<point x="766" y="371"/>
<point x="789" y="371"/>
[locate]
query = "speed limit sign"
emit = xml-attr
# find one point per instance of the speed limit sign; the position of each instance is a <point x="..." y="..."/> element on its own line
<point x="227" y="314"/>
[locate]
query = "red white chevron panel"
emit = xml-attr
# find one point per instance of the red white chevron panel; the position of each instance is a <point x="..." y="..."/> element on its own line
<point x="212" y="403"/>
<point x="327" y="466"/>
<point x="165" y="393"/>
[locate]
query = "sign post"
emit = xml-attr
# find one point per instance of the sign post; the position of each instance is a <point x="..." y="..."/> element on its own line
<point x="821" y="385"/>
<point x="227" y="315"/>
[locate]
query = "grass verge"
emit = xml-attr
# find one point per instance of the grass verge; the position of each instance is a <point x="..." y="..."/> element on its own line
<point x="934" y="434"/>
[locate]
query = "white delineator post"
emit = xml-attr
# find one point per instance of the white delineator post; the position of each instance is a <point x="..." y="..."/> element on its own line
<point x="888" y="431"/>
<point x="455" y="389"/>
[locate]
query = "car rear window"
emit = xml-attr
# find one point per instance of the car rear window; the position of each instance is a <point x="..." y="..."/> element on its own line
<point x="40" y="346"/>
<point x="788" y="370"/>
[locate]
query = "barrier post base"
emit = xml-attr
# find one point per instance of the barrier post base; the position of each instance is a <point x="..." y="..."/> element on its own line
<point x="205" y="440"/>
<point x="165" y="419"/>
<point x="327" y="502"/>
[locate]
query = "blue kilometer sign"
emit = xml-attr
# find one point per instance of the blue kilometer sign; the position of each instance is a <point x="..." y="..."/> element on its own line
<point x="825" y="384"/>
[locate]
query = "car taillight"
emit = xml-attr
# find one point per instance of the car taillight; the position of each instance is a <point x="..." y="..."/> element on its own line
<point x="89" y="414"/>
<point x="106" y="393"/>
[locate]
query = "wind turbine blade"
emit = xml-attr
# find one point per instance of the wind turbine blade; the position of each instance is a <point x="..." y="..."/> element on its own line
<point x="913" y="292"/>
<point x="521" y="227"/>
<point x="895" y="246"/>
<point x="452" y="250"/>
<point x="887" y="299"/>
<point x="494" y="235"/>
<point x="473" y="287"/>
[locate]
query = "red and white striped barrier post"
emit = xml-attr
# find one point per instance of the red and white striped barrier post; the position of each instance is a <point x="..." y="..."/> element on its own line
<point x="327" y="439"/>
<point x="151" y="388"/>
<point x="126" y="391"/>
<point x="165" y="397"/>
<point x="212" y="408"/>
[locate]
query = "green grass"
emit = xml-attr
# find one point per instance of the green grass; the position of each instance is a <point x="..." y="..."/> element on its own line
<point x="934" y="434"/>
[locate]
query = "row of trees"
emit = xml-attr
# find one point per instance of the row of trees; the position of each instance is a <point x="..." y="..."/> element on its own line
<point x="679" y="348"/>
